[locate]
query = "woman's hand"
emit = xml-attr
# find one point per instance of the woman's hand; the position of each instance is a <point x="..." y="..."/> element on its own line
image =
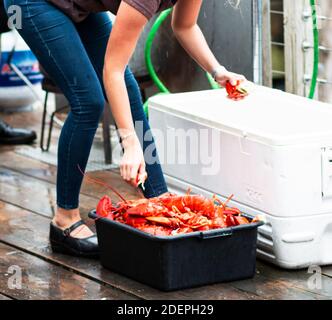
<point x="132" y="165"/>
<point x="222" y="76"/>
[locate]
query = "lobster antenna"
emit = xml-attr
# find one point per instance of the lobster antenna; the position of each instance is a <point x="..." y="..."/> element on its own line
<point x="228" y="199"/>
<point x="101" y="183"/>
<point x="188" y="192"/>
<point x="215" y="198"/>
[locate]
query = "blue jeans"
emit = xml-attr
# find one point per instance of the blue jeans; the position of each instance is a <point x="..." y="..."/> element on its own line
<point x="73" y="55"/>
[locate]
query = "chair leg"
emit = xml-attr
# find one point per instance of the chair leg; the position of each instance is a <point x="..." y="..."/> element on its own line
<point x="51" y="126"/>
<point x="43" y="123"/>
<point x="43" y="127"/>
<point x="107" y="135"/>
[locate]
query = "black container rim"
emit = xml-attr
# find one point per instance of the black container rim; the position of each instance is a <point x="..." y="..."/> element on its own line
<point x="215" y="233"/>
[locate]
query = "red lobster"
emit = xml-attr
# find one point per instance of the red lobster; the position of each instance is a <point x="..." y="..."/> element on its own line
<point x="236" y="92"/>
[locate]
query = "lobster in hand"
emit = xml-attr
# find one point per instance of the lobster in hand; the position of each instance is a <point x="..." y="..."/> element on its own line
<point x="236" y="92"/>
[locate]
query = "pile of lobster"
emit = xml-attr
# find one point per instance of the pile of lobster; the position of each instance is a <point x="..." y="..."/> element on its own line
<point x="172" y="214"/>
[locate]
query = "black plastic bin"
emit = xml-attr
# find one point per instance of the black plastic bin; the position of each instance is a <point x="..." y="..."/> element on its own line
<point x="178" y="262"/>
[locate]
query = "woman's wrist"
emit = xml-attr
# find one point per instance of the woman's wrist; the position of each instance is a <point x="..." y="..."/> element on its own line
<point x="129" y="140"/>
<point x="217" y="71"/>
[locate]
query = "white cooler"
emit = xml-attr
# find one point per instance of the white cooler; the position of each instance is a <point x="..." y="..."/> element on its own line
<point x="273" y="151"/>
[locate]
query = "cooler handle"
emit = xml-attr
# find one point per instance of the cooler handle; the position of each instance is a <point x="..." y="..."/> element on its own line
<point x="217" y="234"/>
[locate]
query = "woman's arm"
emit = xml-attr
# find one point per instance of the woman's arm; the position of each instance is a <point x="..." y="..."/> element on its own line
<point x="189" y="34"/>
<point x="123" y="39"/>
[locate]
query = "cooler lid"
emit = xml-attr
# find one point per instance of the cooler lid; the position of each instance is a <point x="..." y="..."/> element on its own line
<point x="267" y="115"/>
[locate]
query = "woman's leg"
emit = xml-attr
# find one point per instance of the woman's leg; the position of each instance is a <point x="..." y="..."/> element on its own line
<point x="53" y="38"/>
<point x="94" y="32"/>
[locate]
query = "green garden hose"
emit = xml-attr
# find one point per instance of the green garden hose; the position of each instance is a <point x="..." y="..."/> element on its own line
<point x="316" y="50"/>
<point x="214" y="85"/>
<point x="148" y="60"/>
<point x="148" y="46"/>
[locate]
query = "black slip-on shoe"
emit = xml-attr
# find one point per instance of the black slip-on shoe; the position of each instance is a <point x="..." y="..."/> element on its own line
<point x="62" y="242"/>
<point x="13" y="136"/>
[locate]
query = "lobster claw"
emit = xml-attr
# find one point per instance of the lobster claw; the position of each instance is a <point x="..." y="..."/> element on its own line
<point x="241" y="220"/>
<point x="142" y="210"/>
<point x="167" y="222"/>
<point x="235" y="92"/>
<point x="232" y="220"/>
<point x="139" y="210"/>
<point x="135" y="221"/>
<point x="104" y="208"/>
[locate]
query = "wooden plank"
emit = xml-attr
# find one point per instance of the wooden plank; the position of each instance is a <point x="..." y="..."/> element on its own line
<point x="21" y="120"/>
<point x="275" y="290"/>
<point x="46" y="172"/>
<point x="298" y="62"/>
<point x="294" y="37"/>
<point x="33" y="194"/>
<point x="278" y="286"/>
<point x="266" y="44"/>
<point x="325" y="9"/>
<point x="111" y="178"/>
<point x="327" y="271"/>
<point x="299" y="278"/>
<point x="28" y="166"/>
<point x="18" y="228"/>
<point x="40" y="196"/>
<point x="2" y="297"/>
<point x="6" y="148"/>
<point x="19" y="231"/>
<point x="30" y="120"/>
<point x="44" y="281"/>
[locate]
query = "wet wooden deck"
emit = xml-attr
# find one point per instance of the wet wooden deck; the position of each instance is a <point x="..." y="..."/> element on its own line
<point x="27" y="203"/>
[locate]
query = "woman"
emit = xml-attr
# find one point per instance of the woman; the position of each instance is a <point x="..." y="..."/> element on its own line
<point x="73" y="41"/>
